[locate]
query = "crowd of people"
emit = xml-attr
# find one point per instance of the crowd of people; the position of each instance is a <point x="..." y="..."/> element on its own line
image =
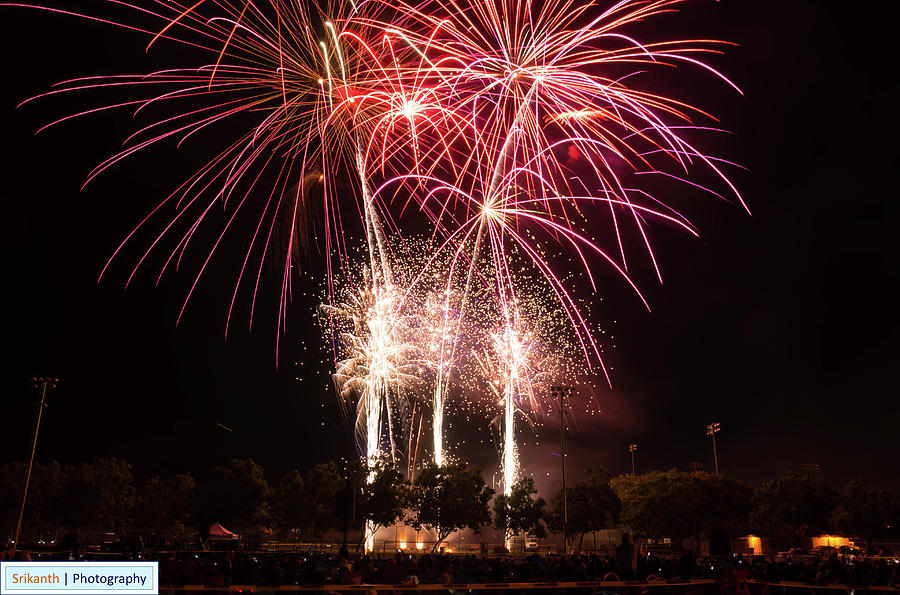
<point x="625" y="564"/>
<point x="322" y="569"/>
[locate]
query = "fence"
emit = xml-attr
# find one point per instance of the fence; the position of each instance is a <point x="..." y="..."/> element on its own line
<point x="421" y="547"/>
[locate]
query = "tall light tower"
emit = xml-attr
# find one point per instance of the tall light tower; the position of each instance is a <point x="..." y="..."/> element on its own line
<point x="42" y="383"/>
<point x="812" y="470"/>
<point x="562" y="392"/>
<point x="711" y="430"/>
<point x="631" y="448"/>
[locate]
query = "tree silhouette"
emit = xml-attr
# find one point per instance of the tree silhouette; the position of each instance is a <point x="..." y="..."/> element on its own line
<point x="793" y="505"/>
<point x="449" y="497"/>
<point x="520" y="512"/>
<point x="591" y="505"/>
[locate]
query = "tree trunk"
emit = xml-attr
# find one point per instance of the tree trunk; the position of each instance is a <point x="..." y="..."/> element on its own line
<point x="441" y="536"/>
<point x="362" y="537"/>
<point x="344" y="546"/>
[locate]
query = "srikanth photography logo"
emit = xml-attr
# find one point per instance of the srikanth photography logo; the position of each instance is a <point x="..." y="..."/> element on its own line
<point x="38" y="578"/>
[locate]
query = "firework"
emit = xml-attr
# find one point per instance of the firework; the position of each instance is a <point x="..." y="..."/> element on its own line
<point x="540" y="91"/>
<point x="514" y="134"/>
<point x="377" y="365"/>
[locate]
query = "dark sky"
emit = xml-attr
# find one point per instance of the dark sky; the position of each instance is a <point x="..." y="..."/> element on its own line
<point x="781" y="325"/>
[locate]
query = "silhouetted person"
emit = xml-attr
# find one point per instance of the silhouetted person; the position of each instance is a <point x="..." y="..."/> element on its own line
<point x="687" y="565"/>
<point x="626" y="558"/>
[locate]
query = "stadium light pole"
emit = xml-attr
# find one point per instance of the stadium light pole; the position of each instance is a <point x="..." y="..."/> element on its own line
<point x="44" y="383"/>
<point x="711" y="430"/>
<point x="631" y="448"/>
<point x="811" y="468"/>
<point x="562" y="392"/>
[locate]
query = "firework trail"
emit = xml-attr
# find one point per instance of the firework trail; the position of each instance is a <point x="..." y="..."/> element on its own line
<point x="510" y="376"/>
<point x="525" y="349"/>
<point x="377" y="367"/>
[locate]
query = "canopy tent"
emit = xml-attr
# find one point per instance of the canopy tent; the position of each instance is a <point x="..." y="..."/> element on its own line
<point x="217" y="531"/>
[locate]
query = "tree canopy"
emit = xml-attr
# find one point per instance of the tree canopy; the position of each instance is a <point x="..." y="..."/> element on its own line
<point x="100" y="495"/>
<point x="383" y="493"/>
<point x="449" y="497"/>
<point x="322" y="484"/>
<point x="520" y="511"/>
<point x="866" y="512"/>
<point x="234" y="495"/>
<point x="681" y="504"/>
<point x="288" y="505"/>
<point x="793" y="505"/>
<point x="165" y="503"/>
<point x="591" y="505"/>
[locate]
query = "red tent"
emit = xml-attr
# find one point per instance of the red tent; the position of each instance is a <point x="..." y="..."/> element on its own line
<point x="217" y="531"/>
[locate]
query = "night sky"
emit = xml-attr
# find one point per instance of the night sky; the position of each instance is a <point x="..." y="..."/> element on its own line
<point x="782" y="326"/>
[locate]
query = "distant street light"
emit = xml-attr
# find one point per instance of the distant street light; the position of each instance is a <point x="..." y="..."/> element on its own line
<point x="42" y="383"/>
<point x="631" y="448"/>
<point x="811" y="468"/>
<point x="562" y="392"/>
<point x="711" y="430"/>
